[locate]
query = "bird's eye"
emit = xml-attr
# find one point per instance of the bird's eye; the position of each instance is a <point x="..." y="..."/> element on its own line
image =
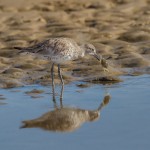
<point x="93" y="50"/>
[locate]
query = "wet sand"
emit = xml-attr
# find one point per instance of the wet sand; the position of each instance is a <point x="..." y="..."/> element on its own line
<point x="118" y="29"/>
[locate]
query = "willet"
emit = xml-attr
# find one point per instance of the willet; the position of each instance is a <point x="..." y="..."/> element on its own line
<point x="60" y="50"/>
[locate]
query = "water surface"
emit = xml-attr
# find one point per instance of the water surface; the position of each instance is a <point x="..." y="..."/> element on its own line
<point x="123" y="124"/>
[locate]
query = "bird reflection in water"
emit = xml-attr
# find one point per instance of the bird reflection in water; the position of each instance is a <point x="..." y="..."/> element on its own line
<point x="65" y="119"/>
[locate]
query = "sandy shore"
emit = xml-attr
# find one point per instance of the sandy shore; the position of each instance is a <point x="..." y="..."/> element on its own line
<point x="119" y="29"/>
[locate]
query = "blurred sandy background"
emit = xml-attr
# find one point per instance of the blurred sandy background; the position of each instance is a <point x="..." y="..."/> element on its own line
<point x="120" y="30"/>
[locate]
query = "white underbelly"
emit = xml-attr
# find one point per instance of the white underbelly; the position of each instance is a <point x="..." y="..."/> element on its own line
<point x="60" y="60"/>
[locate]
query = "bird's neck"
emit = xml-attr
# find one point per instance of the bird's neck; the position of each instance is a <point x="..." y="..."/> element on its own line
<point x="82" y="49"/>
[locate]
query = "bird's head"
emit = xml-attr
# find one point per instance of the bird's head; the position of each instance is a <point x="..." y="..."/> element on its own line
<point x="91" y="50"/>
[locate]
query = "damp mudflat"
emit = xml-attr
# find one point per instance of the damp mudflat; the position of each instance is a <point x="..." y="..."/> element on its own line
<point x="124" y="121"/>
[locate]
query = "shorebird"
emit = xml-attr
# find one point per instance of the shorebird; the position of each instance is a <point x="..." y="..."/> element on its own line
<point x="60" y="50"/>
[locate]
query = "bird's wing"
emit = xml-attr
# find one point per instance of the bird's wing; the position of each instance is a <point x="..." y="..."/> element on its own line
<point x="55" y="46"/>
<point x="33" y="49"/>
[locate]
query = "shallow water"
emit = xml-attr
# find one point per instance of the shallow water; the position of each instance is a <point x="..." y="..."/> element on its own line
<point x="124" y="123"/>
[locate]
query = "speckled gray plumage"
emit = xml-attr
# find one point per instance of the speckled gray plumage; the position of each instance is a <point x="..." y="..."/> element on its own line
<point x="57" y="49"/>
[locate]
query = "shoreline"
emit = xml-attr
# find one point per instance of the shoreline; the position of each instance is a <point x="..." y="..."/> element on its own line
<point x="119" y="31"/>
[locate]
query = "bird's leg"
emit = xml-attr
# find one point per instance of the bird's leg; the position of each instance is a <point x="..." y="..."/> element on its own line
<point x="60" y="75"/>
<point x="61" y="96"/>
<point x="52" y="76"/>
<point x="54" y="101"/>
<point x="62" y="82"/>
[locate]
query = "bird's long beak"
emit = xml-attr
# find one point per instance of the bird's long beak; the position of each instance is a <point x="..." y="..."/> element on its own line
<point x="106" y="100"/>
<point x="97" y="57"/>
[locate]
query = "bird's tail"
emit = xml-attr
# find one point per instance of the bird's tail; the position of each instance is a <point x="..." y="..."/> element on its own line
<point x="23" y="49"/>
<point x="18" y="48"/>
<point x="26" y="124"/>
